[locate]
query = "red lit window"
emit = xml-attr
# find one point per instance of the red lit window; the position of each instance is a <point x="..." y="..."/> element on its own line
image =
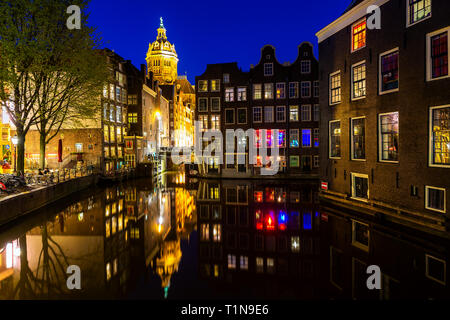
<point x="359" y="35"/>
<point x="270" y="221"/>
<point x="270" y="195"/>
<point x="258" y="196"/>
<point x="439" y="55"/>
<point x="259" y="220"/>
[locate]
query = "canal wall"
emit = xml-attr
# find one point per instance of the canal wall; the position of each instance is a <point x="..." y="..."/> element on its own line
<point x="20" y="205"/>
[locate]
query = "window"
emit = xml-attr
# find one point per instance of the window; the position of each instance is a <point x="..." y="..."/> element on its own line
<point x="132" y="99"/>
<point x="388" y="136"/>
<point x="281" y="90"/>
<point x="335" y="139"/>
<point x="435" y="199"/>
<point x="437" y="54"/>
<point x="257" y="91"/>
<point x="359" y="81"/>
<point x="231" y="261"/>
<point x="244" y="263"/>
<point x="281" y="114"/>
<point x="293" y="90"/>
<point x="229" y="116"/>
<point x="226" y="78"/>
<point x="268" y="114"/>
<point x="440" y="136"/>
<point x="229" y="94"/>
<point x="270" y="265"/>
<point x="259" y="265"/>
<point x="293" y="113"/>
<point x="242" y="94"/>
<point x="305" y="67"/>
<point x="203" y="122"/>
<point x="215" y="105"/>
<point x="316" y="138"/>
<point x="281" y="138"/>
<point x="316" y="112"/>
<point x="293" y="138"/>
<point x="268" y="91"/>
<point x="360" y="235"/>
<point x="306" y="112"/>
<point x="358" y="133"/>
<point x="294" y="161"/>
<point x="418" y="10"/>
<point x="132" y="118"/>
<point x="203" y="85"/>
<point x="316" y="162"/>
<point x="306" y="89"/>
<point x="316" y="89"/>
<point x="215" y="122"/>
<point x="217" y="232"/>
<point x="436" y="269"/>
<point x="359" y="35"/>
<point x="389" y="74"/>
<point x="360" y="186"/>
<point x="257" y="114"/>
<point x="205" y="232"/>
<point x="215" y="85"/>
<point x="306" y="138"/>
<point x="268" y="69"/>
<point x="335" y="88"/>
<point x="203" y="104"/>
<point x="242" y="116"/>
<point x="295" y="244"/>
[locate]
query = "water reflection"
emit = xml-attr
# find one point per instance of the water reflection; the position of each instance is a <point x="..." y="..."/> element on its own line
<point x="180" y="239"/>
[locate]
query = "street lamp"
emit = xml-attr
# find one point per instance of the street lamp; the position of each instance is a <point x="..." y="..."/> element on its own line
<point x="15" y="141"/>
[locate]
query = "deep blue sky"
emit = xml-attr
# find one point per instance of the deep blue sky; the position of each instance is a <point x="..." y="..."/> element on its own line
<point x="213" y="31"/>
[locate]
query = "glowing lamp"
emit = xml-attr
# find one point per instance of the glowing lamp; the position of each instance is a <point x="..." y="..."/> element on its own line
<point x="270" y="223"/>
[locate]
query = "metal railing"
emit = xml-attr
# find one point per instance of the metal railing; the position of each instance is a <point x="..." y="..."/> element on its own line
<point x="58" y="176"/>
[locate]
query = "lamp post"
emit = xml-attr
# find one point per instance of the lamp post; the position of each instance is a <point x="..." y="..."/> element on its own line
<point x="15" y="141"/>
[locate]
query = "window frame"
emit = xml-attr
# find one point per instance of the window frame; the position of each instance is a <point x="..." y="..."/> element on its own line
<point x="276" y="114"/>
<point x="213" y="110"/>
<point x="261" y="112"/>
<point x="380" y="140"/>
<point x="260" y="91"/>
<point x="267" y="91"/>
<point x="408" y="15"/>
<point x="430" y="139"/>
<point x="309" y="112"/>
<point x="298" y="115"/>
<point x="292" y="133"/>
<point x="355" y="242"/>
<point x="331" y="88"/>
<point x="237" y="116"/>
<point x="218" y="85"/>
<point x="308" y="64"/>
<point x="329" y="139"/>
<point x="227" y="92"/>
<point x="380" y="79"/>
<point x="283" y="84"/>
<point x="428" y="51"/>
<point x="352" y="88"/>
<point x="427" y="187"/>
<point x="310" y="138"/>
<point x="203" y="98"/>
<point x="295" y="86"/>
<point x="352" y="35"/>
<point x="427" y="269"/>
<point x="239" y="93"/>
<point x="351" y="138"/>
<point x="264" y="71"/>
<point x="202" y="81"/>
<point x="301" y="91"/>
<point x="265" y="120"/>
<point x="234" y="116"/>
<point x="352" y="180"/>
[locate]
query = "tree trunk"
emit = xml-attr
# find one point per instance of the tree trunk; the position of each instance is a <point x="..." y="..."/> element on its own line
<point x="20" y="151"/>
<point x="43" y="144"/>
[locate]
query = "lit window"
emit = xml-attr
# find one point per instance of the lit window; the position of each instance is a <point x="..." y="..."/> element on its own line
<point x="281" y="114"/>
<point x="306" y="112"/>
<point x="435" y="199"/>
<point x="335" y="88"/>
<point x="438" y="55"/>
<point x="359" y="80"/>
<point x="294" y="161"/>
<point x="305" y="67"/>
<point x="359" y="35"/>
<point x="231" y="261"/>
<point x="360" y="186"/>
<point x="108" y="271"/>
<point x="306" y="89"/>
<point x="418" y="10"/>
<point x="358" y="132"/>
<point x="293" y="138"/>
<point x="268" y="91"/>
<point x="217" y="232"/>
<point x="295" y="244"/>
<point x="242" y="94"/>
<point x="293" y="90"/>
<point x="268" y="69"/>
<point x="132" y="99"/>
<point x="335" y="139"/>
<point x="202" y="104"/>
<point x="258" y="195"/>
<point x="215" y="85"/>
<point x="388" y="135"/>
<point x="360" y="235"/>
<point x="270" y="265"/>
<point x="257" y="114"/>
<point x="389" y="75"/>
<point x="244" y="263"/>
<point x="293" y="113"/>
<point x="268" y="114"/>
<point x="203" y="120"/>
<point x="229" y="94"/>
<point x="440" y="136"/>
<point x="281" y="138"/>
<point x="257" y="91"/>
<point x="215" y="105"/>
<point x="215" y="122"/>
<point x="203" y="85"/>
<point x="281" y="90"/>
<point x="259" y="265"/>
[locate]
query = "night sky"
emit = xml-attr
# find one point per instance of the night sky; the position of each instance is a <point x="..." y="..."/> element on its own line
<point x="212" y="31"/>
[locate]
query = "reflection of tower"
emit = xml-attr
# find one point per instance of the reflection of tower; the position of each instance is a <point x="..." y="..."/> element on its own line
<point x="162" y="59"/>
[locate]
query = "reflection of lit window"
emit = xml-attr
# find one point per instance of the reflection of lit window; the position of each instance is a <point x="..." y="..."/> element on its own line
<point x="120" y="222"/>
<point x="270" y="265"/>
<point x="114" y="208"/>
<point x="114" y="225"/>
<point x="259" y="265"/>
<point x="295" y="244"/>
<point x="231" y="261"/>
<point x="360" y="235"/>
<point x="216" y="271"/>
<point x="307" y="221"/>
<point x="115" y="266"/>
<point x="217" y="232"/>
<point x="205" y="232"/>
<point x="108" y="271"/>
<point x="259" y="220"/>
<point x="258" y="196"/>
<point x="270" y="194"/>
<point x="108" y="228"/>
<point x="244" y="263"/>
<point x="107" y="211"/>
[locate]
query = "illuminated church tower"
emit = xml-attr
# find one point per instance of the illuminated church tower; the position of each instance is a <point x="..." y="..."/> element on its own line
<point x="162" y="58"/>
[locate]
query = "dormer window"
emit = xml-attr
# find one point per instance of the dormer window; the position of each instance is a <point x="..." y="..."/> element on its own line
<point x="268" y="69"/>
<point x="359" y="35"/>
<point x="418" y="10"/>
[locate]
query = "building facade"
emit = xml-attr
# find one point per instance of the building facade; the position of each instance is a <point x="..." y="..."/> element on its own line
<point x="385" y="121"/>
<point x="270" y="96"/>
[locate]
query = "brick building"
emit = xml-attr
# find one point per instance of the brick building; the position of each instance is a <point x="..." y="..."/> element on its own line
<point x="270" y="96"/>
<point x="385" y="118"/>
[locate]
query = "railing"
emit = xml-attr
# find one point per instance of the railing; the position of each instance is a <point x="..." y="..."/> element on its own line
<point x="58" y="176"/>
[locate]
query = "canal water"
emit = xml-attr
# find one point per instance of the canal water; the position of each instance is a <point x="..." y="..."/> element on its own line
<point x="178" y="238"/>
